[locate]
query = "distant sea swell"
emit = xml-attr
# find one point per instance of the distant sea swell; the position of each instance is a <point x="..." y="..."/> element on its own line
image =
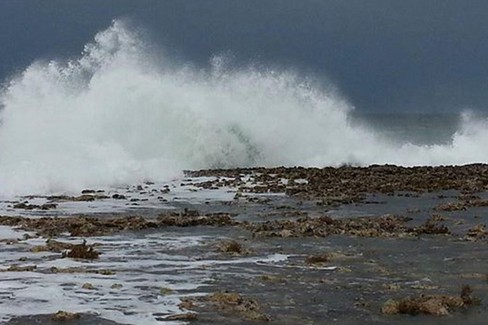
<point x="116" y="115"/>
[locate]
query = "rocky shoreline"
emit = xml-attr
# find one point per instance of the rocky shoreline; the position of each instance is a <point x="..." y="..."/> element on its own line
<point x="361" y="243"/>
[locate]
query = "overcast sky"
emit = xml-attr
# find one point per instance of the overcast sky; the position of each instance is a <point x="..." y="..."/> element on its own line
<point x="383" y="55"/>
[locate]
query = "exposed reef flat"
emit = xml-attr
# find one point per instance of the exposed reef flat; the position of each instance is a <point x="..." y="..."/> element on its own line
<point x="376" y="245"/>
<point x="350" y="184"/>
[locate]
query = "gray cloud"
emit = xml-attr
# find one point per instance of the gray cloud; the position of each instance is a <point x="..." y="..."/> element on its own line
<point x="384" y="55"/>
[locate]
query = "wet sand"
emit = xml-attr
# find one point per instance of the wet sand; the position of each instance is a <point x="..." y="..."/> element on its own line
<point x="283" y="246"/>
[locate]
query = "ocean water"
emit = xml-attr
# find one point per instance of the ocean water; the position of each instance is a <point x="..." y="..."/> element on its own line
<point x="121" y="113"/>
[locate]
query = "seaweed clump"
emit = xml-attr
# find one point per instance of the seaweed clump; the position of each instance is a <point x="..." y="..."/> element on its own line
<point x="232" y="247"/>
<point x="436" y="305"/>
<point x="384" y="226"/>
<point x="228" y="304"/>
<point x="318" y="259"/>
<point x="82" y="251"/>
<point x="64" y="316"/>
<point x="85" y="226"/>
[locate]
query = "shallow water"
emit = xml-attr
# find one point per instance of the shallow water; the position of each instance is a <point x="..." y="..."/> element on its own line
<point x="152" y="270"/>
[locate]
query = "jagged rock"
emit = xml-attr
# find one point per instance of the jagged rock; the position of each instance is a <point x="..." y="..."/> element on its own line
<point x="83" y="251"/>
<point x="318" y="259"/>
<point x="182" y="317"/>
<point x="87" y="286"/>
<point x="65" y="316"/>
<point x="26" y="206"/>
<point x="437" y="305"/>
<point x="232" y="247"/>
<point x="227" y="303"/>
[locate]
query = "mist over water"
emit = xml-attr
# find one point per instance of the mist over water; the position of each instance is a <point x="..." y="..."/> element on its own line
<point x="117" y="115"/>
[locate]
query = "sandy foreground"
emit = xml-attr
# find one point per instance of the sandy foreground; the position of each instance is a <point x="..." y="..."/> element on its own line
<point x="349" y="245"/>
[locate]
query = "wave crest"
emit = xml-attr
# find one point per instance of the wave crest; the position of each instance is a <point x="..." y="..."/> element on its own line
<point x="116" y="116"/>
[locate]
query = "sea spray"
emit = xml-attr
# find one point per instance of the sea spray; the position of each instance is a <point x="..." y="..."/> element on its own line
<point x="118" y="116"/>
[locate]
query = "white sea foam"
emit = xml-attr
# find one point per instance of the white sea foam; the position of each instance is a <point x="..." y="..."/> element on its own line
<point x="151" y="273"/>
<point x="117" y="115"/>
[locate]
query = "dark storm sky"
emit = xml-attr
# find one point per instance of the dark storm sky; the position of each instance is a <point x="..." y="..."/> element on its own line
<point x="383" y="55"/>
